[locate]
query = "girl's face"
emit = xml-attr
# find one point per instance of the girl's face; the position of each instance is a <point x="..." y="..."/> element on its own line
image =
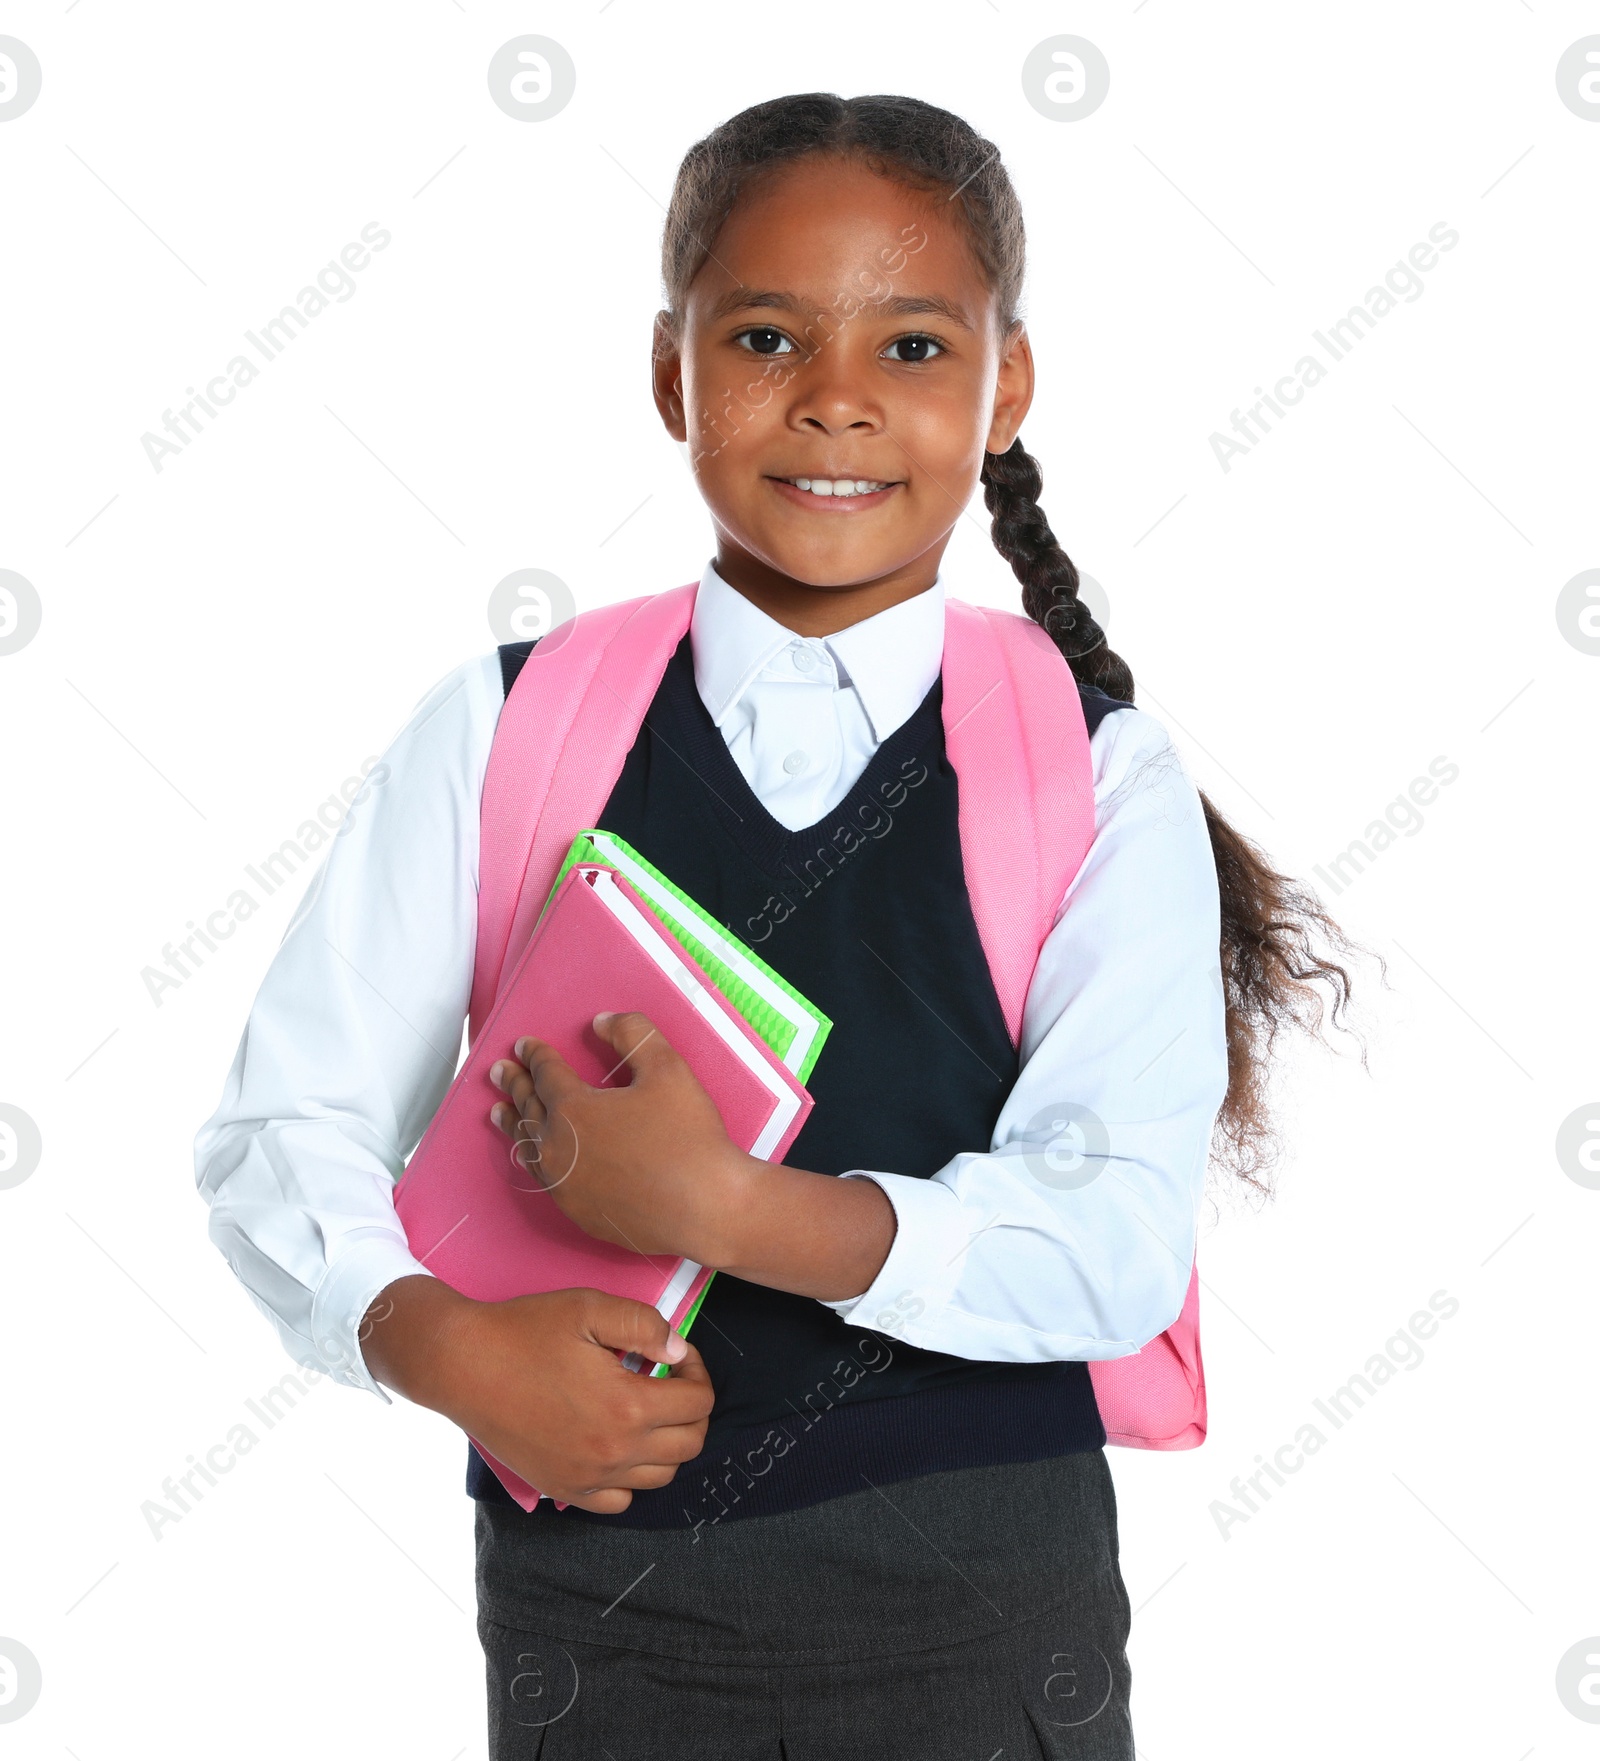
<point x="841" y="334"/>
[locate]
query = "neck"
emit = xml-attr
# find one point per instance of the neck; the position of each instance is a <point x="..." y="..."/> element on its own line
<point x="812" y="610"/>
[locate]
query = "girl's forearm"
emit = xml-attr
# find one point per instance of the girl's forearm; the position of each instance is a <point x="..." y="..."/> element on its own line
<point x="811" y="1234"/>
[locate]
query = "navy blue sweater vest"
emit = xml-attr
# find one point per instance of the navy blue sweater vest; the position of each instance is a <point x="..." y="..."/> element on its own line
<point x="867" y="913"/>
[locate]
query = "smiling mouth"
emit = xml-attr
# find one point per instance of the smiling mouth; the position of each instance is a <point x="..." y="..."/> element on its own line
<point x="844" y="487"/>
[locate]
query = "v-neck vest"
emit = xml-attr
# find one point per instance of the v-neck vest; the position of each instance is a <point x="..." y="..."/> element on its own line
<point x="866" y="912"/>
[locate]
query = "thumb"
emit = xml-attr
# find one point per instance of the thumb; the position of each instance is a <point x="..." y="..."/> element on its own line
<point x="636" y="1039"/>
<point x="621" y="1324"/>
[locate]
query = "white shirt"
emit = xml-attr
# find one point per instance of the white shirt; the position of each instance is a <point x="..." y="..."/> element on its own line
<point x="1059" y="1239"/>
<point x="822" y="704"/>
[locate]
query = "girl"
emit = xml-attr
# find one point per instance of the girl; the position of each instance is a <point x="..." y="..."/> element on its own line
<point x="913" y="1553"/>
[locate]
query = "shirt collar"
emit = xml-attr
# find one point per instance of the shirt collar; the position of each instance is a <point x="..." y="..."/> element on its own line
<point x="892" y="658"/>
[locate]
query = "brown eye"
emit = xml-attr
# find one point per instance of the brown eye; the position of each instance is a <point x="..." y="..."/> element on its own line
<point x="764" y="340"/>
<point x="917" y="348"/>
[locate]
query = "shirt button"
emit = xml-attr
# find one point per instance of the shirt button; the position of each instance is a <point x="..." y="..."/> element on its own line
<point x="795" y="763"/>
<point x="804" y="659"/>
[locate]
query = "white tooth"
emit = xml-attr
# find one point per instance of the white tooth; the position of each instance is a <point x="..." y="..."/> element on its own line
<point x="844" y="486"/>
<point x="863" y="486"/>
<point x="802" y="482"/>
<point x="821" y="486"/>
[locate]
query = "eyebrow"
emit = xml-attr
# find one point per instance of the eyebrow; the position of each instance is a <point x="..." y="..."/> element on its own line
<point x="743" y="299"/>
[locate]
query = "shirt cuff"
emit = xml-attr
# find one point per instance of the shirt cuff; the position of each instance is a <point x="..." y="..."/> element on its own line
<point x="925" y="1258"/>
<point x="365" y="1266"/>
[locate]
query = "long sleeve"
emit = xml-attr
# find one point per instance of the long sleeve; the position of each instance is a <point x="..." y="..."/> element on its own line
<point x="1073" y="1235"/>
<point x="354" y="1038"/>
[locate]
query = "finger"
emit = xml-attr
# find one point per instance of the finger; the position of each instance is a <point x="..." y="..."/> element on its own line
<point x="669" y="1443"/>
<point x="647" y="1475"/>
<point x="637" y="1041"/>
<point x="606" y="1503"/>
<point x="517" y="1085"/>
<point x="553" y="1078"/>
<point x="621" y="1324"/>
<point x="502" y="1071"/>
<point x="507" y="1118"/>
<point x="682" y="1399"/>
<point x="552" y="1143"/>
<point x="527" y="1147"/>
<point x="528" y="1176"/>
<point x="609" y="1500"/>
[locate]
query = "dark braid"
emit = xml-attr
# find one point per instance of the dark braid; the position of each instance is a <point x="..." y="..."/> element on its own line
<point x="1274" y="970"/>
<point x="1011" y="484"/>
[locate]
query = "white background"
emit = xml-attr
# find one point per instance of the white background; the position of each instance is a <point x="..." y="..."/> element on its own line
<point x="1373" y="586"/>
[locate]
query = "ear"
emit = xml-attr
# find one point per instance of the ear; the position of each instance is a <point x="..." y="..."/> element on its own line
<point x="1013" y="390"/>
<point x="666" y="373"/>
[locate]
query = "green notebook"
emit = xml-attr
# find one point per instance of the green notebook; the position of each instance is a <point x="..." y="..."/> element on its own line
<point x="794" y="1028"/>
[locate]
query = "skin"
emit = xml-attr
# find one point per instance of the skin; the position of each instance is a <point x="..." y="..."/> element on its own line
<point x="795" y="355"/>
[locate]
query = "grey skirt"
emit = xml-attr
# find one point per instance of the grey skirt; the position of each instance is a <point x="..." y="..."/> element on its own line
<point x="971" y="1615"/>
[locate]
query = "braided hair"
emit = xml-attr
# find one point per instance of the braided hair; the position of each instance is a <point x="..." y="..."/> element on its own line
<point x="1272" y="963"/>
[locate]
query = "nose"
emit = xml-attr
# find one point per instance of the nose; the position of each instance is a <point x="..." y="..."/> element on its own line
<point x="831" y="395"/>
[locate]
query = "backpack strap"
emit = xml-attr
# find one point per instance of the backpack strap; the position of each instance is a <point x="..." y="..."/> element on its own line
<point x="558" y="749"/>
<point x="1016" y="737"/>
<point x="1018" y="740"/>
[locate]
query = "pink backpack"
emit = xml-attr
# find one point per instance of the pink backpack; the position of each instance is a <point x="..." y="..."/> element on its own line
<point x="1015" y="736"/>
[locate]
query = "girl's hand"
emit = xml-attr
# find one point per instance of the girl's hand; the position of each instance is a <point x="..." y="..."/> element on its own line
<point x="538" y="1382"/>
<point x="648" y="1166"/>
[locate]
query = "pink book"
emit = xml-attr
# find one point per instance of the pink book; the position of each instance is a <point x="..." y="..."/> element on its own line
<point x="484" y="1224"/>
